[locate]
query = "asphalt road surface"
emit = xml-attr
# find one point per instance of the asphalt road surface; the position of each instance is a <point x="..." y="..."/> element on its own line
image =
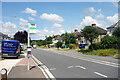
<point x="63" y="66"/>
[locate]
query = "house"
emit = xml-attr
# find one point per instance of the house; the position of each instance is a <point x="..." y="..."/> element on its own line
<point x="110" y="29"/>
<point x="57" y="39"/>
<point x="78" y="35"/>
<point x="3" y="36"/>
<point x="82" y="40"/>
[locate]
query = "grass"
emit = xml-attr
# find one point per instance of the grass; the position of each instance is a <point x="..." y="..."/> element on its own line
<point x="64" y="49"/>
<point x="42" y="47"/>
<point x="1" y="59"/>
<point x="100" y="52"/>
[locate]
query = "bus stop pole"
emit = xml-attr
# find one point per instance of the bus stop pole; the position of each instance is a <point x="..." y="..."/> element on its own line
<point x="28" y="46"/>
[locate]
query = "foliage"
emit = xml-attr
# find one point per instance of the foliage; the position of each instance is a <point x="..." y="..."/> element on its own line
<point x="116" y="32"/>
<point x="110" y="42"/>
<point x="90" y="33"/>
<point x="96" y="46"/>
<point x="117" y="56"/>
<point x="49" y="42"/>
<point x="69" y="38"/>
<point x="63" y="46"/>
<point x="71" y="45"/>
<point x="21" y="36"/>
<point x="58" y="44"/>
<point x="48" y="38"/>
<point x="100" y="52"/>
<point x="33" y="43"/>
<point x="39" y="43"/>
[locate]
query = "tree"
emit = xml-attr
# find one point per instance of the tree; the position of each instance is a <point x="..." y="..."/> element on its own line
<point x="59" y="44"/>
<point x="116" y="32"/>
<point x="69" y="38"/>
<point x="90" y="33"/>
<point x="21" y="36"/>
<point x="49" y="38"/>
<point x="33" y="43"/>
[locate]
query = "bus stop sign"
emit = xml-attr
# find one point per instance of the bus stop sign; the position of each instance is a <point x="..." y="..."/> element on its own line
<point x="29" y="52"/>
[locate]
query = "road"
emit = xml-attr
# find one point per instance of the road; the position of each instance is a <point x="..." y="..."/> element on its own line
<point x="69" y="66"/>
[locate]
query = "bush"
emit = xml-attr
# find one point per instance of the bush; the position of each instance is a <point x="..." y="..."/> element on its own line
<point x="96" y="46"/>
<point x="63" y="46"/>
<point x="59" y="44"/>
<point x="117" y="56"/>
<point x="71" y="45"/>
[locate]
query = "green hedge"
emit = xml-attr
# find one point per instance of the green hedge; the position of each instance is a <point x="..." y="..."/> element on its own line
<point x="71" y="45"/>
<point x="96" y="46"/>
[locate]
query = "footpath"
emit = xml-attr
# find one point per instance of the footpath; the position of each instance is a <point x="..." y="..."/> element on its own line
<point x="20" y="72"/>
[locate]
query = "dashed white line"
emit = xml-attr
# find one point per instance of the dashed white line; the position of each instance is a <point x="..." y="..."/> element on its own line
<point x="100" y="74"/>
<point x="80" y="67"/>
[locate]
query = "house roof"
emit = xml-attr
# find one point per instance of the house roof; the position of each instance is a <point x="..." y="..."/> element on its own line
<point x="77" y="33"/>
<point x="58" y="38"/>
<point x="102" y="30"/>
<point x="112" y="26"/>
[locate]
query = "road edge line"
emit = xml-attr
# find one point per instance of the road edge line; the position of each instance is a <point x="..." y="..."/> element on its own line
<point x="45" y="69"/>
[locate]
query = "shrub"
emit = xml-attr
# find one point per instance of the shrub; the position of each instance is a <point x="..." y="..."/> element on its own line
<point x="71" y="45"/>
<point x="96" y="46"/>
<point x="117" y="56"/>
<point x="63" y="46"/>
<point x="58" y="44"/>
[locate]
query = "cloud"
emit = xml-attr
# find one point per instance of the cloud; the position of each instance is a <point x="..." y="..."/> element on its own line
<point x="30" y="11"/>
<point x="9" y="27"/>
<point x="88" y="20"/>
<point x="112" y="19"/>
<point x="62" y="31"/>
<point x="30" y="18"/>
<point x="56" y="25"/>
<point x="52" y="17"/>
<point x="89" y="11"/>
<point x="99" y="10"/>
<point x="23" y="22"/>
<point x="100" y="16"/>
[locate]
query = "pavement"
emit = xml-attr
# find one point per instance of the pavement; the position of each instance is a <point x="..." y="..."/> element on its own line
<point x="17" y="69"/>
<point x="69" y="65"/>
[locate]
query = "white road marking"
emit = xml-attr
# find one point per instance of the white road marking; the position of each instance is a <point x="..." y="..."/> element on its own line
<point x="51" y="69"/>
<point x="45" y="69"/>
<point x="100" y="74"/>
<point x="70" y="66"/>
<point x="80" y="67"/>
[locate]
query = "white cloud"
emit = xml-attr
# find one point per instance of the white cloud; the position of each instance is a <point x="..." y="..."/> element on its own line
<point x="112" y="19"/>
<point x="30" y="18"/>
<point x="89" y="11"/>
<point x="30" y="11"/>
<point x="52" y="17"/>
<point x="23" y="22"/>
<point x="99" y="10"/>
<point x="8" y="28"/>
<point x="62" y="31"/>
<point x="56" y="25"/>
<point x="100" y="16"/>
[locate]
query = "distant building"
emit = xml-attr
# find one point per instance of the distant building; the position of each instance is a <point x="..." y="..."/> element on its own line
<point x="57" y="39"/>
<point x="3" y="36"/>
<point x="110" y="29"/>
<point x="81" y="40"/>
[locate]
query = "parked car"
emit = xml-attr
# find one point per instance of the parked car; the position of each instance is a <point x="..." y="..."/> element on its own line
<point x="10" y="48"/>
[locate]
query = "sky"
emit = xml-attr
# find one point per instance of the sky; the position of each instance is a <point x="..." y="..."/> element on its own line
<point x="55" y="18"/>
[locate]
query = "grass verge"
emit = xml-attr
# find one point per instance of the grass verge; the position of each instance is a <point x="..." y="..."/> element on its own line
<point x="100" y="52"/>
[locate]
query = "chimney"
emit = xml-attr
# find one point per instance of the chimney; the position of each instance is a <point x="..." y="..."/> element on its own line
<point x="76" y="30"/>
<point x="93" y="25"/>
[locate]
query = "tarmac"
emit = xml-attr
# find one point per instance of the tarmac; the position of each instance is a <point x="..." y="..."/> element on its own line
<point x="21" y="72"/>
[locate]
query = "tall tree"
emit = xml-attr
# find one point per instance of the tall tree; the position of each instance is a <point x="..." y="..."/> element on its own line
<point x="90" y="33"/>
<point x="21" y="36"/>
<point x="116" y="32"/>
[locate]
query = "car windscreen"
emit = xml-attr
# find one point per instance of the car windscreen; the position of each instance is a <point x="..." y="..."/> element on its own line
<point x="7" y="44"/>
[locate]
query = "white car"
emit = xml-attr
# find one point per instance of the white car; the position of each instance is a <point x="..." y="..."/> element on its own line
<point x="34" y="46"/>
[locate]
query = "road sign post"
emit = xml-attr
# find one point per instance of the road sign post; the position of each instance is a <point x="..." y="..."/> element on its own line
<point x="28" y="55"/>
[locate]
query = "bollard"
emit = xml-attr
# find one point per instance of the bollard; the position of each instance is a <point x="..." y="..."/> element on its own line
<point x="3" y="74"/>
